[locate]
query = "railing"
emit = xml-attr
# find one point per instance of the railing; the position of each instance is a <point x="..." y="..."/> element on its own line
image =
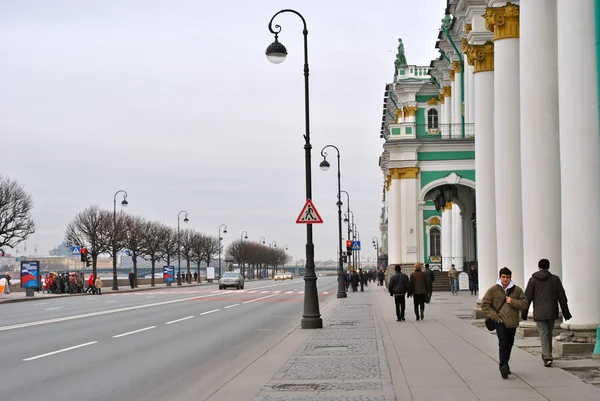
<point x="445" y="131"/>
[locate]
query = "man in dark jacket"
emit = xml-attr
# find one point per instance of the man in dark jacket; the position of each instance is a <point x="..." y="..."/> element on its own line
<point x="418" y="288"/>
<point x="431" y="278"/>
<point x="132" y="279"/>
<point x="398" y="287"/>
<point x="545" y="290"/>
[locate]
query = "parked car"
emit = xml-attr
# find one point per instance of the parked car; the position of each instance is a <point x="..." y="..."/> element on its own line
<point x="289" y="275"/>
<point x="279" y="276"/>
<point x="231" y="279"/>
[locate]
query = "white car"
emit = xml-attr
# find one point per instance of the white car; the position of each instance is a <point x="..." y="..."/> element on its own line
<point x="231" y="279"/>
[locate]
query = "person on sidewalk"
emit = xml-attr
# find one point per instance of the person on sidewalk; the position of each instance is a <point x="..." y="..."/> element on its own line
<point x="362" y="278"/>
<point x="418" y="288"/>
<point x="91" y="283"/>
<point x="453" y="276"/>
<point x="132" y="279"/>
<point x="398" y="287"/>
<point x="98" y="284"/>
<point x="502" y="303"/>
<point x="354" y="279"/>
<point x="431" y="278"/>
<point x="546" y="291"/>
<point x="380" y="277"/>
<point x="474" y="280"/>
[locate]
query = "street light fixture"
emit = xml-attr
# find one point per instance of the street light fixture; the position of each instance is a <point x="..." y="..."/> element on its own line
<point x="185" y="220"/>
<point x="276" y="53"/>
<point x="341" y="276"/>
<point x="273" y="243"/>
<point x="349" y="222"/>
<point x="376" y="246"/>
<point x="124" y="203"/>
<point x="262" y="240"/>
<point x="220" y="239"/>
<point x="243" y="236"/>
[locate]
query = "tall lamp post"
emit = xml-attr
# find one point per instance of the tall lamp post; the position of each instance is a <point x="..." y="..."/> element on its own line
<point x="349" y="222"/>
<point x="124" y="203"/>
<point x="325" y="166"/>
<point x="243" y="236"/>
<point x="276" y="53"/>
<point x="376" y="246"/>
<point x="185" y="220"/>
<point x="220" y="239"/>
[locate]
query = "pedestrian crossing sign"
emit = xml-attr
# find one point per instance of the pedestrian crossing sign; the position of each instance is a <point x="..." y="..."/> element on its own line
<point x="356" y="245"/>
<point x="309" y="214"/>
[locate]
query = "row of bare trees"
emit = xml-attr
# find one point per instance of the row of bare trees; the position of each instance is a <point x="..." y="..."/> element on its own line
<point x="16" y="223"/>
<point x="257" y="256"/>
<point x="95" y="229"/>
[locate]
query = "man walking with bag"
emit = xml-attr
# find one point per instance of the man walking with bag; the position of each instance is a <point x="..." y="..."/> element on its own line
<point x="546" y="291"/>
<point x="502" y="303"/>
<point x="398" y="287"/>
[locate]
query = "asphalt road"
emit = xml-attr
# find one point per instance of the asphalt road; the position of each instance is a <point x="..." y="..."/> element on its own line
<point x="168" y="344"/>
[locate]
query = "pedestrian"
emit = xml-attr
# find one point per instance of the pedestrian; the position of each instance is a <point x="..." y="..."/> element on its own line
<point x="431" y="278"/>
<point x="362" y="279"/>
<point x="398" y="287"/>
<point x="347" y="280"/>
<point x="473" y="280"/>
<point x="546" y="291"/>
<point x="354" y="279"/>
<point x="502" y="303"/>
<point x="418" y="288"/>
<point x="91" y="285"/>
<point x="132" y="279"/>
<point x="380" y="277"/>
<point x="7" y="286"/>
<point x="453" y="276"/>
<point x="195" y="276"/>
<point x="98" y="284"/>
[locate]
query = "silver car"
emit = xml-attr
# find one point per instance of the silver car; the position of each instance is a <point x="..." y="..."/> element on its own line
<point x="231" y="279"/>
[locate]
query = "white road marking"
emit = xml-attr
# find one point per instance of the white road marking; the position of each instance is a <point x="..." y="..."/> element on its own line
<point x="264" y="292"/>
<point x="135" y="331"/>
<point x="214" y="292"/>
<point x="179" y="320"/>
<point x="110" y="302"/>
<point x="326" y="292"/>
<point x="252" y="292"/>
<point x="289" y="292"/>
<point x="301" y="292"/>
<point x="258" y="299"/>
<point x="231" y="306"/>
<point x="41" y="303"/>
<point x="59" y="351"/>
<point x="210" y="311"/>
<point x="276" y="292"/>
<point x="150" y="296"/>
<point x="56" y="308"/>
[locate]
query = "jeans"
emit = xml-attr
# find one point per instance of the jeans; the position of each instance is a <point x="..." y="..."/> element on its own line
<point x="400" y="302"/>
<point x="419" y="302"/>
<point x="474" y="286"/>
<point x="506" y="339"/>
<point x="545" y="327"/>
<point x="453" y="285"/>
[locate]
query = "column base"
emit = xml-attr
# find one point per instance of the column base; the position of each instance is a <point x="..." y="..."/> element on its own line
<point x="575" y="340"/>
<point x="311" y="323"/>
<point x="477" y="312"/>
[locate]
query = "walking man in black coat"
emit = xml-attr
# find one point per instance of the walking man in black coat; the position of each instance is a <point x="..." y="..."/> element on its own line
<point x="398" y="286"/>
<point x="546" y="291"/>
<point x="132" y="279"/>
<point x="431" y="278"/>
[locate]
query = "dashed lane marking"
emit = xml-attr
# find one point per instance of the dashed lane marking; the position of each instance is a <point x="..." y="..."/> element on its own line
<point x="179" y="320"/>
<point x="210" y="311"/>
<point x="134" y="332"/>
<point x="231" y="306"/>
<point x="55" y="308"/>
<point x="59" y="351"/>
<point x="258" y="299"/>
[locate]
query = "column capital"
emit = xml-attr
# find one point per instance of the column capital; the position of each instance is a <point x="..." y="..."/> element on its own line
<point x="404" y="172"/>
<point x="410" y="111"/>
<point x="503" y="21"/>
<point x="398" y="114"/>
<point x="468" y="28"/>
<point x="456" y="66"/>
<point x="452" y="73"/>
<point x="433" y="101"/>
<point x="447" y="91"/>
<point x="481" y="57"/>
<point x="442" y="97"/>
<point x="464" y="44"/>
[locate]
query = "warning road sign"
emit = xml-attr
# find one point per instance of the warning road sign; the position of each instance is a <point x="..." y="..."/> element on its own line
<point x="309" y="214"/>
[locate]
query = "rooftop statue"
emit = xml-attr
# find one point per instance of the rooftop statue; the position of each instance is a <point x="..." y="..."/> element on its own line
<point x="400" y="57"/>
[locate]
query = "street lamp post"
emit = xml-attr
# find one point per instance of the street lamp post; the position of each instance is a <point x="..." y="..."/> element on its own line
<point x="376" y="246"/>
<point x="354" y="235"/>
<point x="243" y="236"/>
<point x="325" y="166"/>
<point x="262" y="240"/>
<point x="220" y="239"/>
<point x="276" y="53"/>
<point x="349" y="222"/>
<point x="124" y="203"/>
<point x="185" y="220"/>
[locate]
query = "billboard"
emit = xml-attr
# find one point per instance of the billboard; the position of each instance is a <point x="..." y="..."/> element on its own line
<point x="30" y="274"/>
<point x="168" y="274"/>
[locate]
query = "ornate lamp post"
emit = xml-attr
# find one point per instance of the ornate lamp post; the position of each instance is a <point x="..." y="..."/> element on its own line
<point x="243" y="236"/>
<point x="124" y="203"/>
<point x="185" y="220"/>
<point x="325" y="166"/>
<point x="376" y="246"/>
<point x="220" y="239"/>
<point x="262" y="240"/>
<point x="276" y="53"/>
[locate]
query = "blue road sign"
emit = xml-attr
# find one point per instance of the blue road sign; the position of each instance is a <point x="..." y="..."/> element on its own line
<point x="356" y="245"/>
<point x="75" y="250"/>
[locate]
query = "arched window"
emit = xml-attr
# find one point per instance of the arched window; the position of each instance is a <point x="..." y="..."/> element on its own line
<point x="435" y="243"/>
<point x="432" y="119"/>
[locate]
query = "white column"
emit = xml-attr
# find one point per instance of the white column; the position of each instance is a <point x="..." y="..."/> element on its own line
<point x="409" y="195"/>
<point x="540" y="170"/>
<point x="580" y="160"/>
<point x="394" y="223"/>
<point x="472" y="104"/>
<point x="447" y="112"/>
<point x="447" y="237"/>
<point x="507" y="145"/>
<point x="457" y="237"/>
<point x="485" y="197"/>
<point x="456" y="104"/>
<point x="467" y="88"/>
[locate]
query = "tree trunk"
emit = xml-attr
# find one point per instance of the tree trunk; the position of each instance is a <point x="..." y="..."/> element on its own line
<point x="189" y="273"/>
<point x="134" y="260"/>
<point x="199" y="261"/>
<point x="152" y="282"/>
<point x="94" y="263"/>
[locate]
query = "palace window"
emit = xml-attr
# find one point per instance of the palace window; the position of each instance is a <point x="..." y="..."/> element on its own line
<point x="435" y="243"/>
<point x="432" y="119"/>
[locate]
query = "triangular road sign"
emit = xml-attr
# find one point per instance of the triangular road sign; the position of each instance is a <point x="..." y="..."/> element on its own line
<point x="309" y="214"/>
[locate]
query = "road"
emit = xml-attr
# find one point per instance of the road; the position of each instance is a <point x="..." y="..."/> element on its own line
<point x="166" y="344"/>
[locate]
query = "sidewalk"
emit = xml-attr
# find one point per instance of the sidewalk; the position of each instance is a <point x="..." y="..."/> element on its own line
<point x="19" y="296"/>
<point x="363" y="353"/>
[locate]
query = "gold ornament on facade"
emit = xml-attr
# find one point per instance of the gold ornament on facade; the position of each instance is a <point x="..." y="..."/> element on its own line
<point x="434" y="221"/>
<point x="465" y="44"/>
<point x="404" y="172"/>
<point x="442" y="97"/>
<point x="468" y="28"/>
<point x="433" y="101"/>
<point x="410" y="111"/>
<point x="456" y="66"/>
<point x="481" y="57"/>
<point x="398" y="115"/>
<point x="447" y="91"/>
<point x="452" y="75"/>
<point x="503" y="21"/>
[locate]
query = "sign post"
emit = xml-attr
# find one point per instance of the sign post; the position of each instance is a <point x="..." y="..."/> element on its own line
<point x="168" y="274"/>
<point x="30" y="277"/>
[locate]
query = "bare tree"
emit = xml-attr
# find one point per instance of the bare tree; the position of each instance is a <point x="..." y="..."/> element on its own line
<point x="186" y="248"/>
<point x="133" y="239"/>
<point x="168" y="248"/>
<point x="152" y="244"/>
<point x="114" y="238"/>
<point x="210" y="248"/>
<point x="238" y="251"/>
<point x="15" y="213"/>
<point x="197" y="254"/>
<point x="89" y="229"/>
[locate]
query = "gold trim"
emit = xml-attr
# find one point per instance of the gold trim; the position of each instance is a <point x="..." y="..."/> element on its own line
<point x="398" y="115"/>
<point x="388" y="182"/>
<point x="442" y="97"/>
<point x="456" y="66"/>
<point x="503" y="21"/>
<point x="465" y="44"/>
<point x="410" y="111"/>
<point x="404" y="173"/>
<point x="452" y="75"/>
<point x="434" y="221"/>
<point x="447" y="91"/>
<point x="449" y="205"/>
<point x="481" y="57"/>
<point x="468" y="28"/>
<point x="433" y="101"/>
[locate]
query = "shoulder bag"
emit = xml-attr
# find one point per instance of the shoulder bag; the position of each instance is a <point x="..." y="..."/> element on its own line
<point x="489" y="323"/>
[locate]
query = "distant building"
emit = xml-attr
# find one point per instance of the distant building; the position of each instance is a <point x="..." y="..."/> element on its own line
<point x="63" y="249"/>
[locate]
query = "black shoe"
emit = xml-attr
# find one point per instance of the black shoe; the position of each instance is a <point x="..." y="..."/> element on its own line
<point x="398" y="320"/>
<point x="509" y="372"/>
<point x="418" y="318"/>
<point x="402" y="318"/>
<point x="422" y="316"/>
<point x="504" y="371"/>
<point x="548" y="363"/>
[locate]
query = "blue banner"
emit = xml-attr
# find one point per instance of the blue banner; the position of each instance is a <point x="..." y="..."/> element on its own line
<point x="168" y="274"/>
<point x="30" y="274"/>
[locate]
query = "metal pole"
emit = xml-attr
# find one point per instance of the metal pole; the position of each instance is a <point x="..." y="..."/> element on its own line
<point x="115" y="286"/>
<point x="178" y="254"/>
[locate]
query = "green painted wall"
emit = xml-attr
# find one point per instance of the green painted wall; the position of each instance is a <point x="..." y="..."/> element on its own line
<point x="424" y="98"/>
<point x="429" y="176"/>
<point x="463" y="155"/>
<point x="395" y="131"/>
<point x="421" y="131"/>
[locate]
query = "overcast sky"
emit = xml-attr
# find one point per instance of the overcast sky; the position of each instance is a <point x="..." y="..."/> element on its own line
<point x="175" y="102"/>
